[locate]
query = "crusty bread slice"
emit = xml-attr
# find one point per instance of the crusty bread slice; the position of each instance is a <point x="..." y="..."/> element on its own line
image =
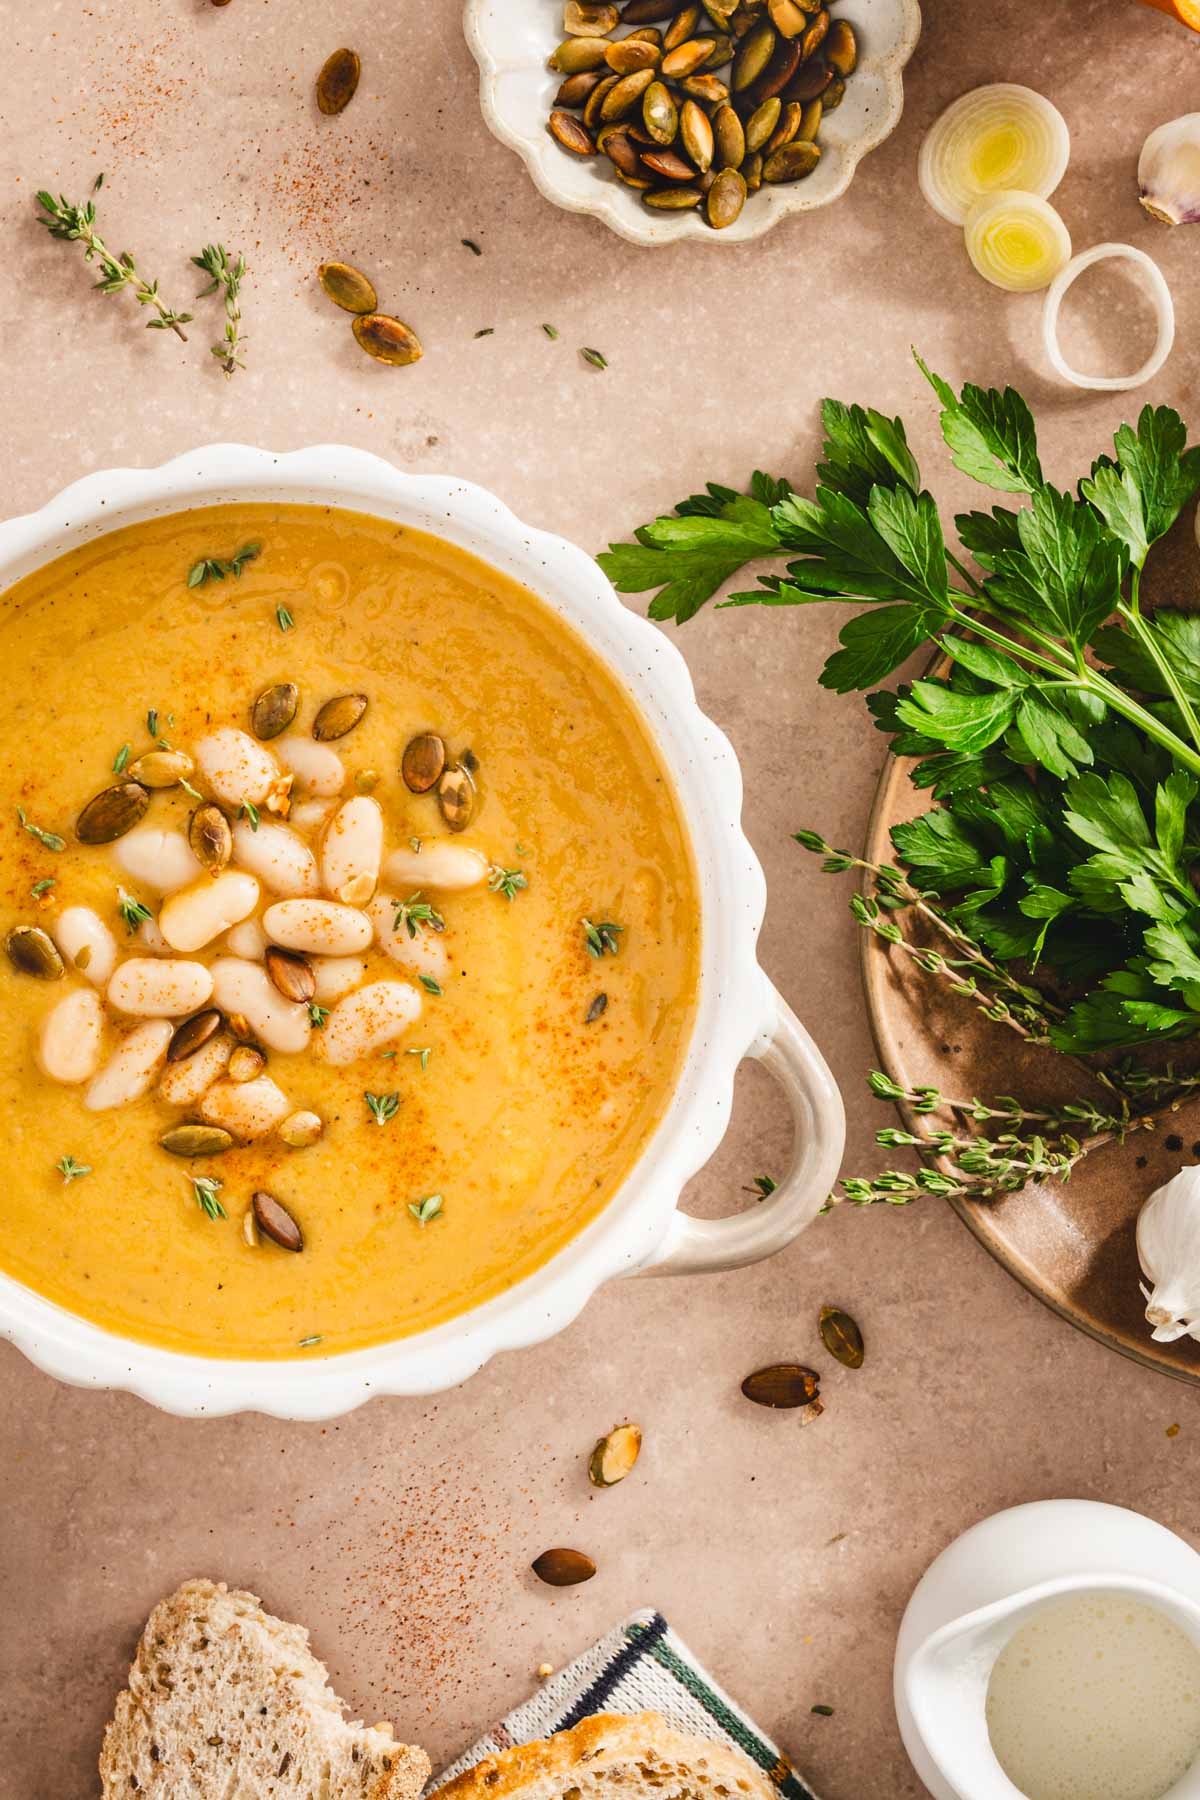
<point x="227" y="1703"/>
<point x="635" y="1755"/>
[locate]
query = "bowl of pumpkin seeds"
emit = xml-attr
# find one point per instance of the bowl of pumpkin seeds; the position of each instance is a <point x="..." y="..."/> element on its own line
<point x="710" y="119"/>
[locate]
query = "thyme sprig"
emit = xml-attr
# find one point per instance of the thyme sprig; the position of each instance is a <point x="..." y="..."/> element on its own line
<point x="132" y="911"/>
<point x="508" y="882"/>
<point x="601" y="940"/>
<point x="415" y="915"/>
<point x="70" y="1170"/>
<point x="205" y="1188"/>
<point x="216" y="568"/>
<point x="226" y="273"/>
<point x="77" y="224"/>
<point x="50" y="840"/>
<point x="382" y="1107"/>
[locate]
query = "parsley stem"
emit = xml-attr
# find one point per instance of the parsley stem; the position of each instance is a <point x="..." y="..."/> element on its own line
<point x="1131" y="613"/>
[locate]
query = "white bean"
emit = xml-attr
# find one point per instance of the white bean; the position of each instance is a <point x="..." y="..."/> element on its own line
<point x="159" y="987"/>
<point x="437" y="864"/>
<point x="309" y="815"/>
<point x="158" y="858"/>
<point x="80" y="932"/>
<point x="246" y="988"/>
<point x="424" y="954"/>
<point x="282" y="861"/>
<point x="352" y="847"/>
<point x="320" y="926"/>
<point x="184" y="1082"/>
<point x="369" y="1020"/>
<point x="318" y="769"/>
<point x="248" y="1109"/>
<point x="194" y="918"/>
<point x="236" y="766"/>
<point x="337" y="975"/>
<point x="248" y="940"/>
<point x="71" y="1038"/>
<point x="132" y="1067"/>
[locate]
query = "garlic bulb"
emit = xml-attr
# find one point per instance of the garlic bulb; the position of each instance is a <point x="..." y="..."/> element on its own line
<point x="1168" y="1247"/>
<point x="1169" y="171"/>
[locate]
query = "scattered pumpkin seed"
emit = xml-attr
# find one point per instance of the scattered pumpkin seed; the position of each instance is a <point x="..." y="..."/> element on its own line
<point x="338" y="80"/>
<point x="456" y="797"/>
<point x="782" y="1386"/>
<point x="423" y="762"/>
<point x="590" y="18"/>
<point x="388" y="340"/>
<point x="614" y="1456"/>
<point x="195" y="1140"/>
<point x="211" y="837"/>
<point x="792" y="163"/>
<point x="725" y="198"/>
<point x="161" y="768"/>
<point x="347" y="287"/>
<point x="563" y="1568"/>
<point x="291" y="973"/>
<point x="599" y="1005"/>
<point x="274" y="710"/>
<point x="113" y="812"/>
<point x="246" y="1063"/>
<point x="300" y="1129"/>
<point x="192" y="1034"/>
<point x="841" y="1337"/>
<point x="276" y="1222"/>
<point x="338" y="716"/>
<point x="33" y="952"/>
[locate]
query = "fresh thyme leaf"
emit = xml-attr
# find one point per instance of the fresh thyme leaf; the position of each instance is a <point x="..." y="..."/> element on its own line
<point x="205" y="1189"/>
<point x="317" y="1015"/>
<point x="226" y="274"/>
<point x="414" y="915"/>
<point x="471" y="245"/>
<point x="251" y="813"/>
<point x="382" y="1107"/>
<point x="283" y="617"/>
<point x="424" y="1055"/>
<point x="425" y="1210"/>
<point x="50" y="839"/>
<point x="189" y="789"/>
<point x="120" y="760"/>
<point x="597" y="358"/>
<point x="70" y="1170"/>
<point x="429" y="984"/>
<point x="216" y="568"/>
<point x="550" y="331"/>
<point x="152" y="723"/>
<point x="486" y="331"/>
<point x="42" y="887"/>
<point x="826" y="1712"/>
<point x="762" y="1187"/>
<point x="601" y="940"/>
<point x="307" y="1343"/>
<point x="508" y="882"/>
<point x="77" y="224"/>
<point x="132" y="911"/>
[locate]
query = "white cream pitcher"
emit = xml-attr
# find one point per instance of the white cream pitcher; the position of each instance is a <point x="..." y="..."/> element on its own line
<point x="990" y="1583"/>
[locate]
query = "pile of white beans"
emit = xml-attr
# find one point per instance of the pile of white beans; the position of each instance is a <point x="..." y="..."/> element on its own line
<point x="320" y="883"/>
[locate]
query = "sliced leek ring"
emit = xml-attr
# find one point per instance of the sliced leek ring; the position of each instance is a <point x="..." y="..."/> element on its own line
<point x="996" y="137"/>
<point x="1017" y="241"/>
<point x="1164" y="308"/>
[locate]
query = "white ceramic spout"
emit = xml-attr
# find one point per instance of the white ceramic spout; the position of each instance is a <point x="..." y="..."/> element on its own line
<point x="947" y="1679"/>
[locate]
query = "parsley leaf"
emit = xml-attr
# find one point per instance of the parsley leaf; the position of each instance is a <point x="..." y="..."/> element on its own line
<point x="991" y="435"/>
<point x="688" y="558"/>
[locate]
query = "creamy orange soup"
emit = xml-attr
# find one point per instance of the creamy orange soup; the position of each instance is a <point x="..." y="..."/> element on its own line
<point x="453" y="1063"/>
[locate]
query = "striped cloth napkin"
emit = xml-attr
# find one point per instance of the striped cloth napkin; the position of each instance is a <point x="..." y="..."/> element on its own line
<point x="638" y="1666"/>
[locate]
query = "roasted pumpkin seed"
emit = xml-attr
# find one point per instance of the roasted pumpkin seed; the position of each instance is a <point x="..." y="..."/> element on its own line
<point x="841" y="1337"/>
<point x="567" y="131"/>
<point x="388" y="340"/>
<point x="721" y="12"/>
<point x="730" y="136"/>
<point x="576" y="55"/>
<point x="456" y="797"/>
<point x="762" y="122"/>
<point x="192" y="1034"/>
<point x="195" y="1140"/>
<point x="34" y="952"/>
<point x="706" y="88"/>
<point x="841" y="48"/>
<point x="672" y="199"/>
<point x="110" y="814"/>
<point x="667" y="164"/>
<point x="752" y="172"/>
<point x="786" y="129"/>
<point x="810" y="121"/>
<point x="300" y="1129"/>
<point x="809" y="81"/>
<point x="642" y="183"/>
<point x="647" y="12"/>
<point x="366" y="781"/>
<point x="161" y="768"/>
<point x="276" y="1222"/>
<point x="648" y="34"/>
<point x="791" y="163"/>
<point x="782" y="1386"/>
<point x="210" y="837"/>
<point x="626" y="94"/>
<point x="563" y="1568"/>
<point x="338" y="80"/>
<point x="338" y="716"/>
<point x="590" y="18"/>
<point x="620" y="149"/>
<point x="246" y="1064"/>
<point x="814" y="37"/>
<point x="274" y="710"/>
<point x="628" y="55"/>
<point x="614" y="1456"/>
<point x="725" y="198"/>
<point x="423" y="761"/>
<point x="696" y="134"/>
<point x="596" y="99"/>
<point x="291" y="973"/>
<point x="347" y="287"/>
<point x="721" y="51"/>
<point x="778" y="72"/>
<point x="576" y="88"/>
<point x="682" y="27"/>
<point x="753" y="54"/>
<point x="660" y="114"/>
<point x="685" y="59"/>
<point x="787" y="18"/>
<point x="834" y="94"/>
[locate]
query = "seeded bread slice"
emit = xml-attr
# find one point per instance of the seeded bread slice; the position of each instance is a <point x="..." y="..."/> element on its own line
<point x="227" y="1703"/>
<point x="637" y="1756"/>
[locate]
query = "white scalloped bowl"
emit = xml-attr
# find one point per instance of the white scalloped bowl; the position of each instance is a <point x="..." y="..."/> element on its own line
<point x="511" y="39"/>
<point x="739" y="1013"/>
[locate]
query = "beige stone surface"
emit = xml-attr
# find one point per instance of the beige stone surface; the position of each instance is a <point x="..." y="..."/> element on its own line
<point x="403" y="1534"/>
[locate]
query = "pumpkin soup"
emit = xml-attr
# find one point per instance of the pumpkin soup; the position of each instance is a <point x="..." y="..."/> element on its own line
<point x="352" y="932"/>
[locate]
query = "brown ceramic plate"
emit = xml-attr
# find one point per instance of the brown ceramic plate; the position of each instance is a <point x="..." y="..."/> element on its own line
<point x="1070" y="1243"/>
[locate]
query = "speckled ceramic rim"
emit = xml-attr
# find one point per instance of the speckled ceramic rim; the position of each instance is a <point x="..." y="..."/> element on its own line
<point x="889" y="30"/>
<point x="739" y="1013"/>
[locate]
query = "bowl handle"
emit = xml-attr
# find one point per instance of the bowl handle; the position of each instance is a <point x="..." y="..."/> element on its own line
<point x="696" y="1246"/>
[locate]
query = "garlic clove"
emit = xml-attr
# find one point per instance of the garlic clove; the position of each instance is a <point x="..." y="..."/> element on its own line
<point x="1168" y="1247"/>
<point x="1169" y="171"/>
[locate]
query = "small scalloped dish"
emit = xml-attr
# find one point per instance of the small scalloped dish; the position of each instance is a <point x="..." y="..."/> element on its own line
<point x="517" y="90"/>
